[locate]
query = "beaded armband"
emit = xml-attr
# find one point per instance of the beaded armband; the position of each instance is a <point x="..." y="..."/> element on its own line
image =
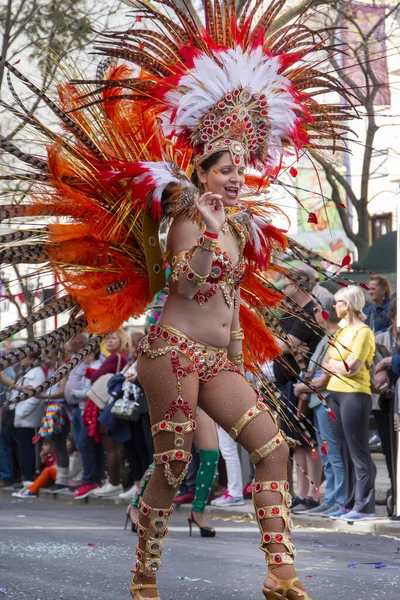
<point x="180" y="264"/>
<point x="237" y="359"/>
<point x="237" y="334"/>
<point x="208" y="241"/>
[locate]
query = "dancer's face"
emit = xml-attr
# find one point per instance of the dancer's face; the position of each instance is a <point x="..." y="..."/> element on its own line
<point x="224" y="178"/>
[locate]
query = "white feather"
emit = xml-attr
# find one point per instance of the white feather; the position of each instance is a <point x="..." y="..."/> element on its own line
<point x="207" y="83"/>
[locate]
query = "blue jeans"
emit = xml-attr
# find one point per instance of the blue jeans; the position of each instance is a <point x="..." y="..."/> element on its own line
<point x="336" y="488"/>
<point x="76" y="424"/>
<point x="92" y="455"/>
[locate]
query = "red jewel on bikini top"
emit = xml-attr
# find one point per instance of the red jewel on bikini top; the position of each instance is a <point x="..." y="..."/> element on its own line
<point x="222" y="269"/>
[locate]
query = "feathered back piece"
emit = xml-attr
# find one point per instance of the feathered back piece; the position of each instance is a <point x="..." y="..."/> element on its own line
<point x="129" y="140"/>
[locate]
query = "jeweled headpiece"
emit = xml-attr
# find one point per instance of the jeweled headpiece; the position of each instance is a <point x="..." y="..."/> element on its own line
<point x="236" y="84"/>
<point x="235" y="101"/>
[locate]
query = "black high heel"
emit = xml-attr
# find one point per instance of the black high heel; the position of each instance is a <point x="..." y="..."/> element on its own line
<point x="127" y="519"/>
<point x="204" y="531"/>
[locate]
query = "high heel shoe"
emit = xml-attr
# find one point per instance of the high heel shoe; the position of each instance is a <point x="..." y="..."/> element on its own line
<point x="136" y="588"/>
<point x="128" y="519"/>
<point x="283" y="587"/>
<point x="204" y="531"/>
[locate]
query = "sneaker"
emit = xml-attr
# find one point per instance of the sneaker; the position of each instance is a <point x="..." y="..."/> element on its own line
<point x="307" y="504"/>
<point x="186" y="498"/>
<point x="22" y="485"/>
<point x="248" y="491"/>
<point x="5" y="484"/>
<point x="227" y="500"/>
<point x="295" y="501"/>
<point x="85" y="490"/>
<point x="108" y="490"/>
<point x="58" y="487"/>
<point x="353" y="515"/>
<point x="322" y="508"/>
<point x="338" y="514"/>
<point x="129" y="494"/>
<point x="330" y="511"/>
<point x="24" y="494"/>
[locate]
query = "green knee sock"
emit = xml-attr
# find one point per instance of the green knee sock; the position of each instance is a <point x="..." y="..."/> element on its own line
<point x="205" y="478"/>
<point x="142" y="486"/>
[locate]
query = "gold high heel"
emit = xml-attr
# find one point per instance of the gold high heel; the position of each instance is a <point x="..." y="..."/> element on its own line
<point x="283" y="587"/>
<point x="135" y="590"/>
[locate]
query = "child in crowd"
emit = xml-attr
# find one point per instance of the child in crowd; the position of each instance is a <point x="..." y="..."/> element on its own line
<point x="48" y="475"/>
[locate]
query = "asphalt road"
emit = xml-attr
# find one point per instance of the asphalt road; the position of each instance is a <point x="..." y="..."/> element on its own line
<point x="53" y="550"/>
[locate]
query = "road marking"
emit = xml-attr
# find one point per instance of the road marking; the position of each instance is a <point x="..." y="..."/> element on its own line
<point x="113" y="528"/>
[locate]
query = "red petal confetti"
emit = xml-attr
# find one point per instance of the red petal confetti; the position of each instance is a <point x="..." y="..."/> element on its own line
<point x="90" y="544"/>
<point x="364" y="286"/>
<point x="346" y="260"/>
<point x="308" y="576"/>
<point x="312" y="218"/>
<point x="293" y="172"/>
<point x="17" y="62"/>
<point x="325" y="315"/>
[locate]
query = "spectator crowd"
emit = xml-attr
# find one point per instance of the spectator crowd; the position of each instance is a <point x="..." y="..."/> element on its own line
<point x="90" y="434"/>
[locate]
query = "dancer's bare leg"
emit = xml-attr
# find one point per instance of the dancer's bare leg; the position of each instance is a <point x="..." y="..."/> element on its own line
<point x="160" y="386"/>
<point x="231" y="402"/>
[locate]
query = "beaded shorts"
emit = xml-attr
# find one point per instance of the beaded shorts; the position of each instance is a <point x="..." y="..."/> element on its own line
<point x="207" y="361"/>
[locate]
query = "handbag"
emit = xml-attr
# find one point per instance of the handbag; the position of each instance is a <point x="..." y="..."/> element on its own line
<point x="127" y="407"/>
<point x="98" y="392"/>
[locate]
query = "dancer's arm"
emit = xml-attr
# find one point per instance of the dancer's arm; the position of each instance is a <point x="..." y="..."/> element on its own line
<point x="192" y="250"/>
<point x="235" y="345"/>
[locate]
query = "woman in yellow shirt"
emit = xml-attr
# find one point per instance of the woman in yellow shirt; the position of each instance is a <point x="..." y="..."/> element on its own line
<point x="350" y="399"/>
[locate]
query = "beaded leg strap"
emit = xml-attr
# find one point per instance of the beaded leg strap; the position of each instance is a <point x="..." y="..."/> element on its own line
<point x="179" y="429"/>
<point x="268" y="448"/>
<point x="280" y="510"/>
<point x="149" y="558"/>
<point x="248" y="416"/>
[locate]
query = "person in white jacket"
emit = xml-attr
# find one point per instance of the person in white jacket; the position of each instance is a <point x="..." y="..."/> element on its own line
<point x="28" y="416"/>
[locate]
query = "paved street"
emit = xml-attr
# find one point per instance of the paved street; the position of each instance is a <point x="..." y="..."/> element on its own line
<point x="56" y="550"/>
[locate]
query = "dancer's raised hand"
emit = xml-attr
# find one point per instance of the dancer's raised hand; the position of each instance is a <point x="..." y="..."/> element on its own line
<point x="211" y="208"/>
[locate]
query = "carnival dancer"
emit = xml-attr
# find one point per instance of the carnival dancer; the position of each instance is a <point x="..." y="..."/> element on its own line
<point x="172" y="144"/>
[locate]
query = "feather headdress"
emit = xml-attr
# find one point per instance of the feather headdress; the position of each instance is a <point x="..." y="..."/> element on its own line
<point x="129" y="137"/>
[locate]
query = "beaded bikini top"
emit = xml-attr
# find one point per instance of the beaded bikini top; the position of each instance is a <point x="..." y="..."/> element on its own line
<point x="223" y="273"/>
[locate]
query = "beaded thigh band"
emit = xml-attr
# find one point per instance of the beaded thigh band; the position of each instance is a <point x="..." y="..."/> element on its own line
<point x="207" y="362"/>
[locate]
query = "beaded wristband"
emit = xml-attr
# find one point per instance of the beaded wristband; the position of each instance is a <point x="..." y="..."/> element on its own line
<point x="237" y="334"/>
<point x="207" y="243"/>
<point x="237" y="359"/>
<point x="213" y="236"/>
